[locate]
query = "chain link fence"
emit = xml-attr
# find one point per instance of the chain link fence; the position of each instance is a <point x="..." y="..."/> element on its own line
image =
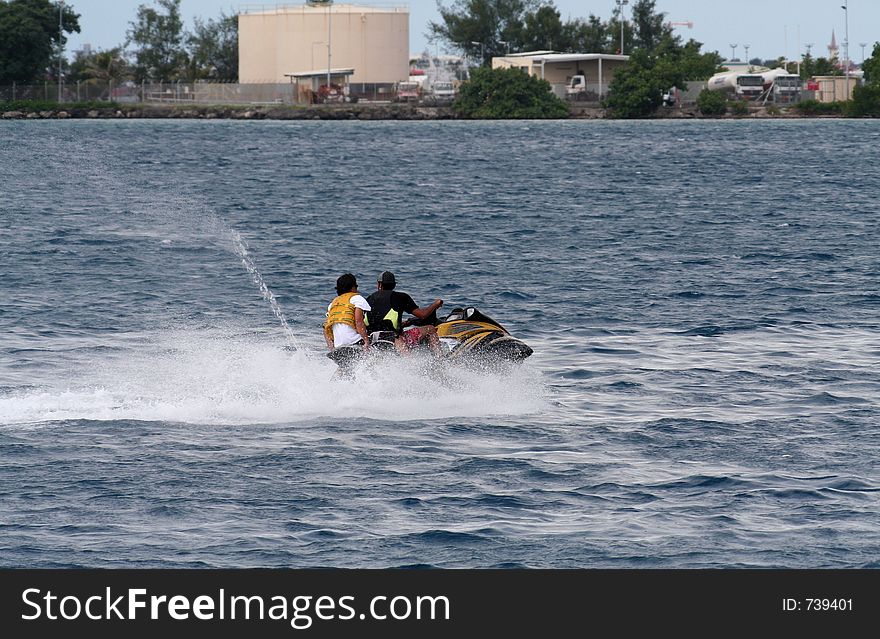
<point x="202" y="93"/>
<point x="88" y="91"/>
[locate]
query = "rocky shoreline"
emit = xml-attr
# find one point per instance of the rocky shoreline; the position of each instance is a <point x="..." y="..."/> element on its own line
<point x="321" y="112"/>
<point x="334" y="112"/>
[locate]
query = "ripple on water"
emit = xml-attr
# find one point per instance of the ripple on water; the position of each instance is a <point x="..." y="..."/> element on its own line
<point x="704" y="390"/>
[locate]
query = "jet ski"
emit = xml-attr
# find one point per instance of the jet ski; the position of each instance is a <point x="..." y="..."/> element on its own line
<point x="467" y="338"/>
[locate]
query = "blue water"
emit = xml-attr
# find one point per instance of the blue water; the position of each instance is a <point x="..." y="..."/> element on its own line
<point x="702" y="299"/>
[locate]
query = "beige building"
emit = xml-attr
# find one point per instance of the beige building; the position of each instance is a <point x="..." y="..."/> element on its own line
<point x="558" y="68"/>
<point x="832" y="88"/>
<point x="275" y="43"/>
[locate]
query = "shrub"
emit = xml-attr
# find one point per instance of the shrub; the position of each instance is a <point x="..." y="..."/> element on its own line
<point x="711" y="102"/>
<point x="865" y="101"/>
<point x="739" y="107"/>
<point x="773" y="110"/>
<point x="814" y="107"/>
<point x="508" y="94"/>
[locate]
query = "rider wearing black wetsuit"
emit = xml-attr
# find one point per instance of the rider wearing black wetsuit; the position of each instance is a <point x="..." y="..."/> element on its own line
<point x="386" y="314"/>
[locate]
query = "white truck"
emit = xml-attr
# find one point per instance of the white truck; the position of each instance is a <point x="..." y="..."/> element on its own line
<point x="442" y="93"/>
<point x="749" y="86"/>
<point x="576" y="90"/>
<point x="787" y="88"/>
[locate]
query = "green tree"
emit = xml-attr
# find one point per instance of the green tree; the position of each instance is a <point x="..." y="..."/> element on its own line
<point x="587" y="36"/>
<point x="695" y="65"/>
<point x="30" y="40"/>
<point x="865" y="101"/>
<point x="508" y="94"/>
<point x="484" y="22"/>
<point x="811" y="67"/>
<point x="158" y="35"/>
<point x="871" y="66"/>
<point x="214" y="49"/>
<point x="614" y="32"/>
<point x="543" y="31"/>
<point x="637" y="89"/>
<point x="649" y="27"/>
<point x="101" y="67"/>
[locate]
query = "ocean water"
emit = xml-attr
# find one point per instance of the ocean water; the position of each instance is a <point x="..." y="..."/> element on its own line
<point x="702" y="299"/>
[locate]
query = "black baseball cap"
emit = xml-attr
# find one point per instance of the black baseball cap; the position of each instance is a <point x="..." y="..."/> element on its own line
<point x="387" y="278"/>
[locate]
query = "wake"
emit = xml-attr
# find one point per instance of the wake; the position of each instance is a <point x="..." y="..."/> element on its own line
<point x="220" y="377"/>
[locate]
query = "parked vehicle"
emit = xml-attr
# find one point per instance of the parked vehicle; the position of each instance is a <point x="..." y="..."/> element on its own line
<point x="441" y="94"/>
<point x="749" y="86"/>
<point x="577" y="91"/>
<point x="671" y="97"/>
<point x="787" y="89"/>
<point x="333" y="93"/>
<point x="407" y="92"/>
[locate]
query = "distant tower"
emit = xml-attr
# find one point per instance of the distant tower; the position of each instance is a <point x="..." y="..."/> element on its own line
<point x="833" y="49"/>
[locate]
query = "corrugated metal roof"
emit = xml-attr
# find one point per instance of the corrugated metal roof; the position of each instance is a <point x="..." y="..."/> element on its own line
<point x="578" y="57"/>
<point x="311" y="74"/>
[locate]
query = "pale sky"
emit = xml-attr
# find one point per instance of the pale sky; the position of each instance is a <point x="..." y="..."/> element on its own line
<point x="771" y="27"/>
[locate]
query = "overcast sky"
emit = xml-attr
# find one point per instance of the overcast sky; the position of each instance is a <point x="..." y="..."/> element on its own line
<point x="771" y="27"/>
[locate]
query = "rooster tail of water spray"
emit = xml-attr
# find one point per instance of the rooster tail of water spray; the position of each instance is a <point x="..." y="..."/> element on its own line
<point x="240" y="247"/>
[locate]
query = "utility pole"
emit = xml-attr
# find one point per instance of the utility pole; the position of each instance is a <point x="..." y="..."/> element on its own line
<point x="328" y="4"/>
<point x="60" y="44"/>
<point x="329" y="43"/>
<point x="845" y="7"/>
<point x="746" y="47"/>
<point x="620" y="5"/>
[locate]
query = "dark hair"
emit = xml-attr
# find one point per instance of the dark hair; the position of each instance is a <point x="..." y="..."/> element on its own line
<point x="388" y="281"/>
<point x="345" y="283"/>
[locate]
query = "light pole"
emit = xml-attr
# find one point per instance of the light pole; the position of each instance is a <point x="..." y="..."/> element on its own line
<point x="506" y="43"/>
<point x="328" y="4"/>
<point x="620" y="4"/>
<point x="845" y="7"/>
<point x="809" y="46"/>
<point x="482" y="55"/>
<point x="733" y="52"/>
<point x="60" y="44"/>
<point x="746" y="47"/>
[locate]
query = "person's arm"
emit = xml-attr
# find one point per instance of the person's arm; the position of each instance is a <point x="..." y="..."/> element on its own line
<point x="427" y="311"/>
<point x="360" y="327"/>
<point x="328" y="337"/>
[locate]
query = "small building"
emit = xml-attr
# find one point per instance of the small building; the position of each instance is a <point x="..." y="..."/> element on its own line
<point x="833" y="88"/>
<point x="371" y="40"/>
<point x="308" y="83"/>
<point x="559" y="68"/>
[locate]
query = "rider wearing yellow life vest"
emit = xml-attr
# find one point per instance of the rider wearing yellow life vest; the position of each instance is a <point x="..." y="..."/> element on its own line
<point x="344" y="325"/>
